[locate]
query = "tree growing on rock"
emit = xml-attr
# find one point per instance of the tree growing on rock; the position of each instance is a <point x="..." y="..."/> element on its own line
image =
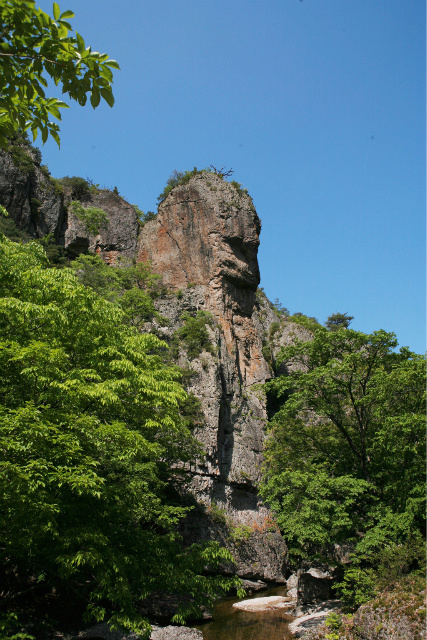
<point x="338" y="321"/>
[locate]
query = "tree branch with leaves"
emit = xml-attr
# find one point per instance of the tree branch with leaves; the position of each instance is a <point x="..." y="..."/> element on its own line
<point x="35" y="48"/>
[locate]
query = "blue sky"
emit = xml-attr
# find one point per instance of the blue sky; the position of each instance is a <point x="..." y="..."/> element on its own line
<point x="317" y="105"/>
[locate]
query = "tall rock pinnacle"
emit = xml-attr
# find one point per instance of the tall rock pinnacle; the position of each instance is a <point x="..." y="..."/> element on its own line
<point x="204" y="243"/>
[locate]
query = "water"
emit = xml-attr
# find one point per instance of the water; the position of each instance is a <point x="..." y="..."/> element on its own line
<point x="229" y="623"/>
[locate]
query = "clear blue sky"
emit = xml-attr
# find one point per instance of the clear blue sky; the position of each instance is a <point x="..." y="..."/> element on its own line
<point x="317" y="105"/>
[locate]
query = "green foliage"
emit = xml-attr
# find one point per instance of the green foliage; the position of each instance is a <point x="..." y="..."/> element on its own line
<point x="192" y="412"/>
<point x="310" y="323"/>
<point x="240" y="534"/>
<point x="217" y="515"/>
<point x="91" y="438"/>
<point x="178" y="178"/>
<point x="279" y="309"/>
<point x="194" y="333"/>
<point x="383" y="566"/>
<point x="338" y="321"/>
<point x="345" y="456"/>
<point x="93" y="218"/>
<point x="34" y="48"/>
<point x="240" y="190"/>
<point x="143" y="217"/>
<point x="9" y="622"/>
<point x="133" y="288"/>
<point x="79" y="187"/>
<point x="9" y="228"/>
<point x="21" y="152"/>
<point x="55" y="253"/>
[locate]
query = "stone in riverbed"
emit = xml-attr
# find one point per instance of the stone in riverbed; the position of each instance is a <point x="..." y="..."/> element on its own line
<point x="103" y="632"/>
<point x="263" y="604"/>
<point x="175" y="633"/>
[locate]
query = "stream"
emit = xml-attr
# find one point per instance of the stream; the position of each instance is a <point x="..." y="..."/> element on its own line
<point x="229" y="623"/>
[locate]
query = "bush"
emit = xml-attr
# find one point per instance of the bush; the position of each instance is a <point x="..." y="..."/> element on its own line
<point x="310" y="323"/>
<point x="143" y="218"/>
<point x="55" y="252"/>
<point x="21" y="159"/>
<point x="10" y="230"/>
<point x="79" y="187"/>
<point x="92" y="217"/>
<point x="240" y="190"/>
<point x="178" y="178"/>
<point x="194" y="333"/>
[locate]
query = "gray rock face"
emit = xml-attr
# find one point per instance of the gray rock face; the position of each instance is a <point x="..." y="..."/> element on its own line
<point x="176" y="633"/>
<point x="388" y="621"/>
<point x="30" y="197"/>
<point x="117" y="239"/>
<point x="39" y="207"/>
<point x="309" y="619"/>
<point x="103" y="632"/>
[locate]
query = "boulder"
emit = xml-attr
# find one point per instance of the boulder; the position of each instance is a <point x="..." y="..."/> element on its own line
<point x="314" y="586"/>
<point x="263" y="604"/>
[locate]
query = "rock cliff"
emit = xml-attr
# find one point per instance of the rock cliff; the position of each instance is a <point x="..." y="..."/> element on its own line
<point x="203" y="242"/>
<point x="38" y="205"/>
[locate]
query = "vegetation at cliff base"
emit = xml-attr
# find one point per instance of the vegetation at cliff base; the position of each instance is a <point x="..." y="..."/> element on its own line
<point x="93" y="448"/>
<point x="345" y="457"/>
<point x="34" y="48"/>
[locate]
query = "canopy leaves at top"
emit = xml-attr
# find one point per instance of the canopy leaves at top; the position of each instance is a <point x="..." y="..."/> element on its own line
<point x="35" y="48"/>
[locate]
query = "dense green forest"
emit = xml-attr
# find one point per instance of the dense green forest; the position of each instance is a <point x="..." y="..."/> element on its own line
<point x="345" y="457"/>
<point x="94" y="439"/>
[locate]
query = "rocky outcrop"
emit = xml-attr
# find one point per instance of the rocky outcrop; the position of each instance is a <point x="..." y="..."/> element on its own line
<point x="309" y="624"/>
<point x="204" y="244"/>
<point x="29" y="195"/>
<point x="38" y="205"/>
<point x="392" y="615"/>
<point x="116" y="240"/>
<point x="103" y="632"/>
<point x="314" y="586"/>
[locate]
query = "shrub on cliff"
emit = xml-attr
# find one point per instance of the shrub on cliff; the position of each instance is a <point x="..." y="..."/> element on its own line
<point x="194" y="333"/>
<point x="178" y="178"/>
<point x="91" y="438"/>
<point x="93" y="218"/>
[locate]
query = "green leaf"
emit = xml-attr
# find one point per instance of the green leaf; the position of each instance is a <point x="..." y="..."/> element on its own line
<point x="67" y="14"/>
<point x="107" y="94"/>
<point x="95" y="97"/>
<point x="113" y="64"/>
<point x="55" y="136"/>
<point x="80" y="43"/>
<point x="56" y="11"/>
